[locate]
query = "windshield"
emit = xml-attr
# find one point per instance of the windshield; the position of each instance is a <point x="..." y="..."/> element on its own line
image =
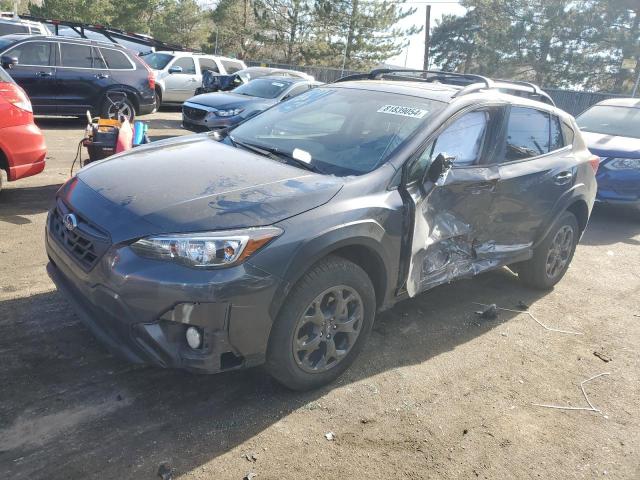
<point x="263" y="88"/>
<point x="157" y="61"/>
<point x="339" y="131"/>
<point x="610" y="120"/>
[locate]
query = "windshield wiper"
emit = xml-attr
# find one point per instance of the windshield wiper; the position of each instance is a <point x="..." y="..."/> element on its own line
<point x="275" y="154"/>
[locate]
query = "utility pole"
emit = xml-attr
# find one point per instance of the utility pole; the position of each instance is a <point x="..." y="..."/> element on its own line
<point x="427" y="38"/>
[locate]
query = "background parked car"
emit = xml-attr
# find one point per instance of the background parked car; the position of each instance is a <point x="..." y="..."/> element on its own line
<point x="11" y="23"/>
<point x="70" y="76"/>
<point x="212" y="111"/>
<point x="179" y="74"/>
<point x="212" y="82"/>
<point x="611" y="129"/>
<point x="22" y="147"/>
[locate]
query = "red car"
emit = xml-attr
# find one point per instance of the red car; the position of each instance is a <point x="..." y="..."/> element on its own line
<point x="22" y="147"/>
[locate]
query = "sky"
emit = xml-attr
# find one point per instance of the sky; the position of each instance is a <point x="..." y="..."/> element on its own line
<point x="415" y="53"/>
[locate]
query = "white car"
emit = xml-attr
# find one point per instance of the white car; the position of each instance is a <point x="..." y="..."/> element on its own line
<point x="178" y="74"/>
<point x="11" y="23"/>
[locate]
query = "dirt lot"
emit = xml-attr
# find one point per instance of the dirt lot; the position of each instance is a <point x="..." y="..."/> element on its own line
<point x="437" y="393"/>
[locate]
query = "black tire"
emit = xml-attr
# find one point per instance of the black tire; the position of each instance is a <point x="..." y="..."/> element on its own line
<point x="158" y="101"/>
<point x="331" y="273"/>
<point x="542" y="271"/>
<point x="117" y="105"/>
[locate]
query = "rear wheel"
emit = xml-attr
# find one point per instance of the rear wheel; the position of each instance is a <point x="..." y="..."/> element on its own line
<point x="117" y="106"/>
<point x="322" y="326"/>
<point x="552" y="257"/>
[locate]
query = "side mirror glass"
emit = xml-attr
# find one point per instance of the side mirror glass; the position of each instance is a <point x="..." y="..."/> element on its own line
<point x="175" y="70"/>
<point x="8" y="62"/>
<point x="439" y="167"/>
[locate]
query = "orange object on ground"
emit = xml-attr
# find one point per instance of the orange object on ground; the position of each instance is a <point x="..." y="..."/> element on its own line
<point x="125" y="137"/>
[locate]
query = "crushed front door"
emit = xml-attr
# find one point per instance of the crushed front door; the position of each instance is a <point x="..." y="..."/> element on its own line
<point x="452" y="218"/>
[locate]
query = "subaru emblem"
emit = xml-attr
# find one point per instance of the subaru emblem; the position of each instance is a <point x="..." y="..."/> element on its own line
<point x="70" y="221"/>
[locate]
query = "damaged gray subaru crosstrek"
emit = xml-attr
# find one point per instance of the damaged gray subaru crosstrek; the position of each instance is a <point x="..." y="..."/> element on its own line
<point x="276" y="242"/>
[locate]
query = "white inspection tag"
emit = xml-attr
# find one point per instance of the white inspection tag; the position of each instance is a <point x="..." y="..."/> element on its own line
<point x="403" y="111"/>
<point x="301" y="155"/>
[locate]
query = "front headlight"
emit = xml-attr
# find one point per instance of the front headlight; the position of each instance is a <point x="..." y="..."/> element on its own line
<point x="229" y="113"/>
<point x="622" y="164"/>
<point x="206" y="250"/>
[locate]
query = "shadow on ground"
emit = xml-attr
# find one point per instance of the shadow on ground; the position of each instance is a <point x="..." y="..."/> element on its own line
<point x="609" y="225"/>
<point x="70" y="410"/>
<point x="17" y="202"/>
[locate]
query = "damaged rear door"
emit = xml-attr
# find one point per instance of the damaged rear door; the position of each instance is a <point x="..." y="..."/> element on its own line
<point x="452" y="217"/>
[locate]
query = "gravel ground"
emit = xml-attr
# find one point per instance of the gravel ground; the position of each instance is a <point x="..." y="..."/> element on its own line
<point x="437" y="393"/>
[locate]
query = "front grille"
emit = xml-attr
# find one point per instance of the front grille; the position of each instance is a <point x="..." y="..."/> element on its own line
<point x="194" y="127"/>
<point x="194" y="113"/>
<point x="85" y="243"/>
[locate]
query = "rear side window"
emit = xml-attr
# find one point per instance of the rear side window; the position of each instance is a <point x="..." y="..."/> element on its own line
<point x="208" y="64"/>
<point x="116" y="60"/>
<point x="231" y="66"/>
<point x="528" y="134"/>
<point x="32" y="53"/>
<point x="568" y="133"/>
<point x="187" y="65"/>
<point x="557" y="141"/>
<point x="76" y="56"/>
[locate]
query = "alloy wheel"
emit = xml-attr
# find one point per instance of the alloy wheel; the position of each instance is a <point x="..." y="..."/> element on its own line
<point x="559" y="251"/>
<point x="328" y="329"/>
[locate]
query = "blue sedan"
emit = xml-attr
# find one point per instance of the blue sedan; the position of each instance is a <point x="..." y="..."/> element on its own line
<point x="611" y="130"/>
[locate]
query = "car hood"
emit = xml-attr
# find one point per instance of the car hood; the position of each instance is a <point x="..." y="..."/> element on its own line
<point x="223" y="100"/>
<point x="194" y="184"/>
<point x="612" y="146"/>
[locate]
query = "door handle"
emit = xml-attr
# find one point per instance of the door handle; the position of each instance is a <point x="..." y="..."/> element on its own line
<point x="563" y="178"/>
<point x="43" y="74"/>
<point x="101" y="75"/>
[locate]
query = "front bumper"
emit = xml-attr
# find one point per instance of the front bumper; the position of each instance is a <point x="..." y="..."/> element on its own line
<point x="619" y="187"/>
<point x="140" y="309"/>
<point x="199" y="118"/>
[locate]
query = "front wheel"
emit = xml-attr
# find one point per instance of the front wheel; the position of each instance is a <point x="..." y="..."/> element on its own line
<point x="552" y="257"/>
<point x="322" y="326"/>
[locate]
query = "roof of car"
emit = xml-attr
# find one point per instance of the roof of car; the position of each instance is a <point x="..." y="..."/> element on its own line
<point x="435" y="91"/>
<point x="178" y="53"/>
<point x="279" y="78"/>
<point x="16" y="37"/>
<point x="621" y="102"/>
<point x="443" y="92"/>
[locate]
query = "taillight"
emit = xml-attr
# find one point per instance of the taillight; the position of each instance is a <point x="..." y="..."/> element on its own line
<point x="13" y="94"/>
<point x="151" y="77"/>
<point x="594" y="161"/>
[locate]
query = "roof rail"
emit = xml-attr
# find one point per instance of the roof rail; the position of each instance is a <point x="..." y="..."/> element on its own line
<point x="510" y="86"/>
<point x="428" y="76"/>
<point x="112" y="34"/>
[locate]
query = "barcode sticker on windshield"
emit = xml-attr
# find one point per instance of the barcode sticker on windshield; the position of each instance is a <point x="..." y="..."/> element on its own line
<point x="404" y="111"/>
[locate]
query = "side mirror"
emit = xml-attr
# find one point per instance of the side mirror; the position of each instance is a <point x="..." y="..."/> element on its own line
<point x="8" y="62"/>
<point x="439" y="167"/>
<point x="176" y="69"/>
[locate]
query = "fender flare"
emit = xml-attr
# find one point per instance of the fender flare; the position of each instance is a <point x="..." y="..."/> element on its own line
<point x="568" y="199"/>
<point x="367" y="235"/>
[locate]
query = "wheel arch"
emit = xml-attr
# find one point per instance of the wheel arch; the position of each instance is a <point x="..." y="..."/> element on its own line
<point x="365" y="251"/>
<point x="126" y="90"/>
<point x="581" y="210"/>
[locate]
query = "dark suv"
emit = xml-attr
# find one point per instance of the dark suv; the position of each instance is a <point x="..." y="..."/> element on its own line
<point x="278" y="241"/>
<point x="70" y="76"/>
